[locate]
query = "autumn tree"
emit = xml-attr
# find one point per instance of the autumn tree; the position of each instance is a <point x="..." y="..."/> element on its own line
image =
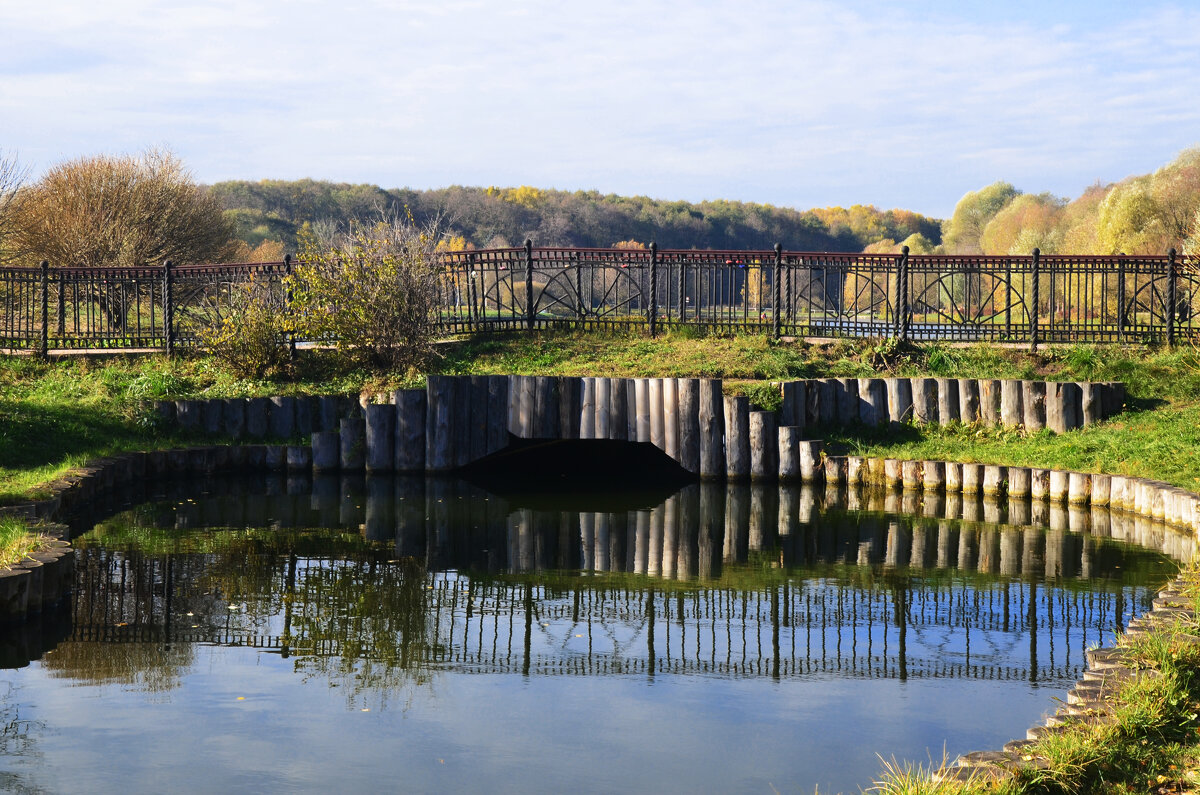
<point x="12" y="176"/>
<point x="121" y="210"/>
<point x="1027" y="222"/>
<point x="963" y="233"/>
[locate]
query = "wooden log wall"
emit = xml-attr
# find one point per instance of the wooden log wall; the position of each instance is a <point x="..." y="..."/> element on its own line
<point x="457" y="420"/>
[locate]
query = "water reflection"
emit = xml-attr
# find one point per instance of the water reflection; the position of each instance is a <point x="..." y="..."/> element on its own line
<point x="377" y="584"/>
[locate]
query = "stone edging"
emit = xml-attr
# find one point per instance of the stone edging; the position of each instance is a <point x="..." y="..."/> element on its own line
<point x="1089" y="701"/>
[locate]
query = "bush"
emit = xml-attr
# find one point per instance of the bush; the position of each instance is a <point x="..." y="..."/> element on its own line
<point x="249" y="333"/>
<point x="372" y="292"/>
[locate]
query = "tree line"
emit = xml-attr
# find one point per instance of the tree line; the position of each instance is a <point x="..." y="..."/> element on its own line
<point x="147" y="208"/>
<point x="274" y="210"/>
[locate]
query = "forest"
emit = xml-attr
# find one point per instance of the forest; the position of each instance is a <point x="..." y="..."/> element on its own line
<point x="1142" y="214"/>
<point x="273" y="211"/>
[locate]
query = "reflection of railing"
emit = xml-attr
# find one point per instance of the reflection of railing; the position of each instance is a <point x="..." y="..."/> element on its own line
<point x="1062" y="298"/>
<point x="731" y="580"/>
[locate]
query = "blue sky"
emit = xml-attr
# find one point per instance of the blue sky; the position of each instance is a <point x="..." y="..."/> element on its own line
<point x="803" y="104"/>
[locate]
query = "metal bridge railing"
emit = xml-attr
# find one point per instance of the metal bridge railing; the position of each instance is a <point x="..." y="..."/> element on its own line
<point x="1016" y="299"/>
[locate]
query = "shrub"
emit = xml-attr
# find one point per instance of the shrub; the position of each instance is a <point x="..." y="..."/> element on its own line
<point x="372" y="292"/>
<point x="249" y="333"/>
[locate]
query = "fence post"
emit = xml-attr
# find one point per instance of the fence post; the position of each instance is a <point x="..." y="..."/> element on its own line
<point x="1007" y="298"/>
<point x="1121" y="297"/>
<point x="776" y="290"/>
<point x="903" y="308"/>
<point x="1171" y="299"/>
<point x="287" y="304"/>
<point x="529" y="312"/>
<point x="653" y="289"/>
<point x="168" y="310"/>
<point x="44" y="344"/>
<point x="1033" y="310"/>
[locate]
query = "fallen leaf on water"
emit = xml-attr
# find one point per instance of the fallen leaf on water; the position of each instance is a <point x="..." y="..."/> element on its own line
<point x="241" y="698"/>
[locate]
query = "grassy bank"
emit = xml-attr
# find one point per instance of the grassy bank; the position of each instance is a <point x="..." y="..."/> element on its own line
<point x="1152" y="744"/>
<point x="57" y="415"/>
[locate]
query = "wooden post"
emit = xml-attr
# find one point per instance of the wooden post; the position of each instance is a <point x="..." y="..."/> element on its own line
<point x="712" y="429"/>
<point x="283" y="416"/>
<point x="326" y="451"/>
<point x="1020" y="481"/>
<point x="899" y="400"/>
<point x="527" y="388"/>
<point x="989" y="401"/>
<point x="497" y="411"/>
<point x="1033" y="401"/>
<point x="569" y="393"/>
<point x="657" y="431"/>
<point x="933" y="476"/>
<point x="641" y="391"/>
<point x="827" y="401"/>
<point x="380" y="422"/>
<point x="789" y="453"/>
<point x="872" y="401"/>
<point x="353" y="443"/>
<point x="617" y="409"/>
<point x="1012" y="403"/>
<point x="409" y="445"/>
<point x="460" y="421"/>
<point x="689" y="424"/>
<point x="603" y="408"/>
<point x="809" y="452"/>
<point x="847" y="401"/>
<point x="670" y="390"/>
<point x="947" y="397"/>
<point x="327" y="414"/>
<point x="1089" y="403"/>
<point x="587" y="409"/>
<point x="439" y="433"/>
<point x="925" y="401"/>
<point x="547" y="425"/>
<point x="233" y="417"/>
<point x="737" y="437"/>
<point x="631" y="414"/>
<point x="764" y="446"/>
<point x="793" y="410"/>
<point x="969" y="401"/>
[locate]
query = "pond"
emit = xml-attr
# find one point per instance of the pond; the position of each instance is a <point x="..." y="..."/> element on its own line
<point x="428" y="634"/>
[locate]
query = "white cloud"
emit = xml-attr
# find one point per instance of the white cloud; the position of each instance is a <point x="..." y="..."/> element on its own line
<point x="805" y="103"/>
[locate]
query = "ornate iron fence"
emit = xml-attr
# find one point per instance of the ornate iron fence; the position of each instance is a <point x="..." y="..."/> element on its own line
<point x="1027" y="299"/>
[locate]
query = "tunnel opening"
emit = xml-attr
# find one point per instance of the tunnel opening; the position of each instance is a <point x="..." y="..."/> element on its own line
<point x="540" y="473"/>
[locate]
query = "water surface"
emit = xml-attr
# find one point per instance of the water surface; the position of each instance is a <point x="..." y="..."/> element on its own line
<point x="420" y="635"/>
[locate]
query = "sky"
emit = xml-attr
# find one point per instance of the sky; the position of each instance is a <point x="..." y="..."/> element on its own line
<point x="803" y="104"/>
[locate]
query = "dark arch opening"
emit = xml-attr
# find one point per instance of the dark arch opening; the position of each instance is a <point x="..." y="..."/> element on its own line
<point x="537" y="470"/>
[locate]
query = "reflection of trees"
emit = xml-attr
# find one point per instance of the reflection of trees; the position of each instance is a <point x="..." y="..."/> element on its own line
<point x="329" y="599"/>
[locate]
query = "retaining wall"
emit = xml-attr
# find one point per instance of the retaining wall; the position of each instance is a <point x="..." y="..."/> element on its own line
<point x="457" y="420"/>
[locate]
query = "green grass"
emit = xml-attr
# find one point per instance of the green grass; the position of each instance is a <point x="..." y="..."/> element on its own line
<point x="16" y="540"/>
<point x="58" y="415"/>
